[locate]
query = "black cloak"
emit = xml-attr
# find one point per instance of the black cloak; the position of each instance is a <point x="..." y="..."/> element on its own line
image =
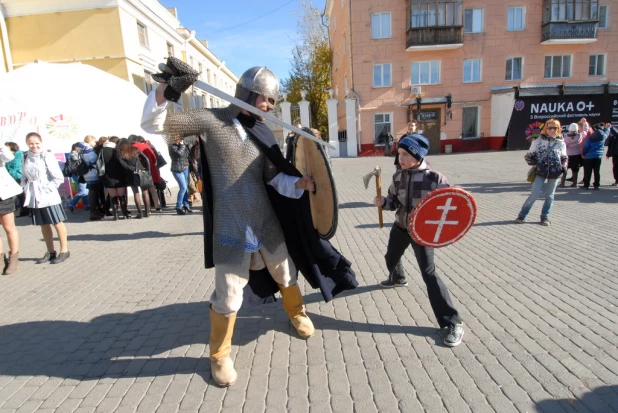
<point x="317" y="260"/>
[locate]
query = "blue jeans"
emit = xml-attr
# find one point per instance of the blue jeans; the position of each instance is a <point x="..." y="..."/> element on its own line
<point x="82" y="193"/>
<point x="537" y="187"/>
<point x="183" y="195"/>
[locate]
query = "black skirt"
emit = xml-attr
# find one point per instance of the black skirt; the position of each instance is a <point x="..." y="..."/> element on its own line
<point x="7" y="205"/>
<point x="50" y="215"/>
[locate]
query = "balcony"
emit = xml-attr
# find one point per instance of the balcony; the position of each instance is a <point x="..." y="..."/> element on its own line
<point x="434" y="38"/>
<point x="569" y="32"/>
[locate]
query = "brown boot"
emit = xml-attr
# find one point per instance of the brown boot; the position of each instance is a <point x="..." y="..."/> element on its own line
<point x="221" y="365"/>
<point x="293" y="305"/>
<point x="11" y="264"/>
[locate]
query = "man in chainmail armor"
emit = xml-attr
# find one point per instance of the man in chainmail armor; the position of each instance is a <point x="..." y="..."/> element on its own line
<point x="243" y="232"/>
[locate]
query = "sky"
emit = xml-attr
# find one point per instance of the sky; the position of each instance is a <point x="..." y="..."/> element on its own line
<point x="245" y="33"/>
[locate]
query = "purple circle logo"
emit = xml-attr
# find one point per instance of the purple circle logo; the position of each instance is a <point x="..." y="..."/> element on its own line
<point x="519" y="105"/>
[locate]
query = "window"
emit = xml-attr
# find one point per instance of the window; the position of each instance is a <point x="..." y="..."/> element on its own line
<point x="473" y="21"/>
<point x="603" y="17"/>
<point x="204" y="101"/>
<point x="472" y="70"/>
<point x="382" y="75"/>
<point x="514" y="68"/>
<point x="425" y="73"/>
<point x="382" y="127"/>
<point x="142" y="34"/>
<point x="148" y="82"/>
<point x="557" y="66"/>
<point x="597" y="65"/>
<point x="200" y="68"/>
<point x="212" y="102"/>
<point x="515" y="18"/>
<point x="345" y="85"/>
<point x="191" y="63"/>
<point x="208" y="76"/>
<point x="170" y="49"/>
<point x="570" y="10"/>
<point x="470" y="122"/>
<point x="424" y="13"/>
<point x="380" y="25"/>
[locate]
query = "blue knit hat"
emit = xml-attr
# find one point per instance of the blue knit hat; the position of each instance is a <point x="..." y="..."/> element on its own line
<point x="416" y="145"/>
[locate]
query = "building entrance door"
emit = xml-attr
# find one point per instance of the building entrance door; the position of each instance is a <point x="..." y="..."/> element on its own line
<point x="429" y="123"/>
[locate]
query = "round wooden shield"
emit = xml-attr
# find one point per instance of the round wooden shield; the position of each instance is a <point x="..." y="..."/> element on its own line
<point x="309" y="158"/>
<point x="443" y="217"/>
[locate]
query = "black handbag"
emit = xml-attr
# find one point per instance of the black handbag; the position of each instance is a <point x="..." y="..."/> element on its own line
<point x="142" y="177"/>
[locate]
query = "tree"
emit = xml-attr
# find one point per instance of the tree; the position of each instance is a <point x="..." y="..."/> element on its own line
<point x="311" y="66"/>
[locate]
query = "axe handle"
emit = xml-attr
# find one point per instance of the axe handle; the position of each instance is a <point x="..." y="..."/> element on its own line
<point x="379" y="194"/>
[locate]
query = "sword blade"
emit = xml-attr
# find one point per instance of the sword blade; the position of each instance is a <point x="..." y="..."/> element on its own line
<point x="221" y="94"/>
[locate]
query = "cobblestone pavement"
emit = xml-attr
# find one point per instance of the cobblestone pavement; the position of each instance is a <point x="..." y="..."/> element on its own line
<point x="123" y="325"/>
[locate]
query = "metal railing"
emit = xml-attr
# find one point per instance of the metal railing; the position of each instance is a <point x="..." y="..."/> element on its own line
<point x="569" y="30"/>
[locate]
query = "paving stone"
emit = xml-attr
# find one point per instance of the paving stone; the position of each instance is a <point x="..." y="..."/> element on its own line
<point x="131" y="334"/>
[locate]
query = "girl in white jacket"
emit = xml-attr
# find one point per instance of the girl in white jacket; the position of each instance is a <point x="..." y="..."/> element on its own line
<point x="40" y="179"/>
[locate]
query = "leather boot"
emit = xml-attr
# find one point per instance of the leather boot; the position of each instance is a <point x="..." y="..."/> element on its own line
<point x="12" y="263"/>
<point x="115" y="208"/>
<point x="221" y="365"/>
<point x="123" y="207"/>
<point x="293" y="305"/>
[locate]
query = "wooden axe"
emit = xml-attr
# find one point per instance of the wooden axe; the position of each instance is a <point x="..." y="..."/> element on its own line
<point x="377" y="172"/>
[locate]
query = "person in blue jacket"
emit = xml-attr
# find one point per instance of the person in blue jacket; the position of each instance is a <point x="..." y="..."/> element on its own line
<point x="592" y="152"/>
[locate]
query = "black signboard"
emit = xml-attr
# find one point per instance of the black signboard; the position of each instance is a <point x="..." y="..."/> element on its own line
<point x="531" y="113"/>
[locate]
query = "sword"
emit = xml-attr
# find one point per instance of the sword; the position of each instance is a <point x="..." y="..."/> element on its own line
<point x="235" y="101"/>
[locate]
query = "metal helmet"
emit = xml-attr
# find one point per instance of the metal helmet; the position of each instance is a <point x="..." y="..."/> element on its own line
<point x="258" y="81"/>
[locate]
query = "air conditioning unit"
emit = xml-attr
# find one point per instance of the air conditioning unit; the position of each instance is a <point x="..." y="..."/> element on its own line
<point x="415" y="90"/>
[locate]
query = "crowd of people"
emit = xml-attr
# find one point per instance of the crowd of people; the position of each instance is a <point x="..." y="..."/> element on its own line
<point x="552" y="154"/>
<point x="103" y="169"/>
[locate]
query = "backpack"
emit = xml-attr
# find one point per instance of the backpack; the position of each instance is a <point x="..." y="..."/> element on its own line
<point x="100" y="164"/>
<point x="75" y="166"/>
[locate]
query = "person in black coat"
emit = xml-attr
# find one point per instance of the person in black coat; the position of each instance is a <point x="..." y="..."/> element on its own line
<point x="115" y="179"/>
<point x="133" y="160"/>
<point x="612" y="151"/>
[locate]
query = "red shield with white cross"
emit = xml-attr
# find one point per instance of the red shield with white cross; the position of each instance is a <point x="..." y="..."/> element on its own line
<point x="443" y="217"/>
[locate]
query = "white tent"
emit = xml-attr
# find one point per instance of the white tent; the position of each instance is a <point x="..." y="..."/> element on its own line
<point x="66" y="102"/>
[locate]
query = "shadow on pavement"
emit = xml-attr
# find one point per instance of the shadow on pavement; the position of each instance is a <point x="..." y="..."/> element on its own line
<point x="602" y="399"/>
<point x="367" y="226"/>
<point x="133" y="236"/>
<point x="150" y="342"/>
<point x="355" y="205"/>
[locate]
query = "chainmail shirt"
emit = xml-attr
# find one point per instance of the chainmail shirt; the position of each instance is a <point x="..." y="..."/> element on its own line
<point x="238" y="171"/>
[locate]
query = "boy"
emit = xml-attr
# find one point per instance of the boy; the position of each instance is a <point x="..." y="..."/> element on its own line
<point x="410" y="185"/>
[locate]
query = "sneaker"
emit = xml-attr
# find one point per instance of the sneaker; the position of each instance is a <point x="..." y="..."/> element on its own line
<point x="545" y="222"/>
<point x="453" y="335"/>
<point x="573" y="185"/>
<point x="397" y="283"/>
<point x="71" y="208"/>
<point x="61" y="257"/>
<point x="47" y="257"/>
<point x="519" y="220"/>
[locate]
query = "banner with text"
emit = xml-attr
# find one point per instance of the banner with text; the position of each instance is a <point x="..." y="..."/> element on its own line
<point x="530" y="114"/>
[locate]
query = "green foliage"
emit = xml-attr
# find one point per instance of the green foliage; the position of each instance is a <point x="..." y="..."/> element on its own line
<point x="311" y="67"/>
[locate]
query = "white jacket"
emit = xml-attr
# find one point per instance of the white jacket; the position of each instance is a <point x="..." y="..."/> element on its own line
<point x="8" y="187"/>
<point x="41" y="177"/>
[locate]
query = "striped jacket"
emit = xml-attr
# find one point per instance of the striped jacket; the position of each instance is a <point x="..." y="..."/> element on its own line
<point x="409" y="187"/>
